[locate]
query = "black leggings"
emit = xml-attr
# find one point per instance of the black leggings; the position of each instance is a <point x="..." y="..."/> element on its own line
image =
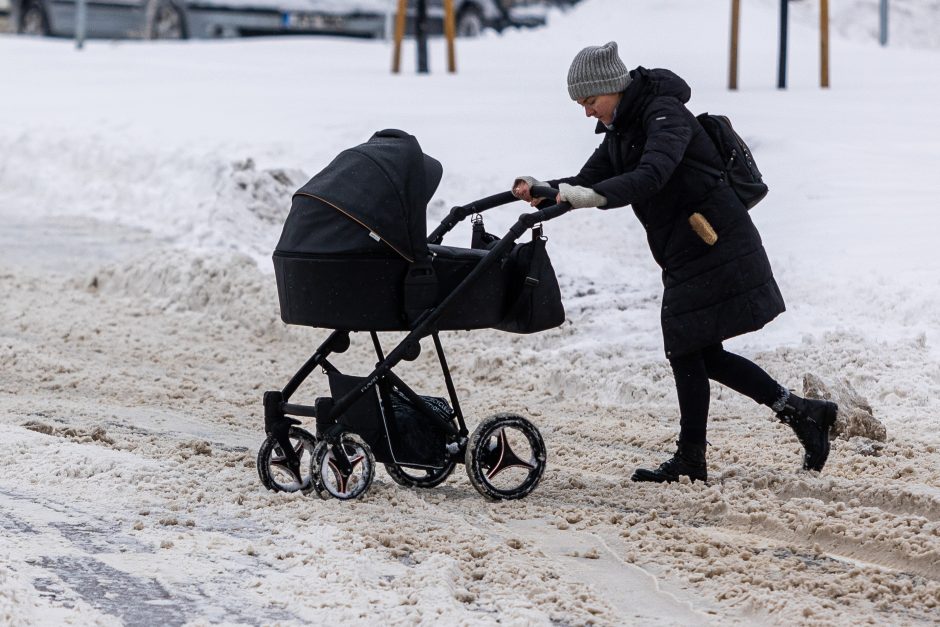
<point x="692" y="372"/>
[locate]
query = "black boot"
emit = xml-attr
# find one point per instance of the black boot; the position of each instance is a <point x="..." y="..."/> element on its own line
<point x="810" y="419"/>
<point x="688" y="461"/>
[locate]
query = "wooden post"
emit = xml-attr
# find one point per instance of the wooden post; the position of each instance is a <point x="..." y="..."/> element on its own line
<point x="399" y="35"/>
<point x="450" y="31"/>
<point x="735" y="29"/>
<point x="824" y="43"/>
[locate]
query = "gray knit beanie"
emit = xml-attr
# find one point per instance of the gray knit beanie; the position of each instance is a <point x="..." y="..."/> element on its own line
<point x="597" y="70"/>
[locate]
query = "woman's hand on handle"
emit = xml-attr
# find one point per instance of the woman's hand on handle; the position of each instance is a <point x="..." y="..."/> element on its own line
<point x="522" y="189"/>
<point x="579" y="197"/>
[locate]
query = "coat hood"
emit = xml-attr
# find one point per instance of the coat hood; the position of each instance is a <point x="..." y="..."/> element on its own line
<point x="646" y="85"/>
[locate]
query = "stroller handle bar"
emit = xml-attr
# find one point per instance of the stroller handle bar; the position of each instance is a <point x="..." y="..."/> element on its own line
<point x="457" y="214"/>
<point x="425" y="324"/>
<point x="546" y="214"/>
<point x="543" y="191"/>
<point x="553" y="211"/>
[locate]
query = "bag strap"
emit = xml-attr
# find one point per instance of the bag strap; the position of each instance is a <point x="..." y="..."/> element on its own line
<point x="534" y="270"/>
<point x="704" y="167"/>
<point x="479" y="238"/>
<point x="419" y="291"/>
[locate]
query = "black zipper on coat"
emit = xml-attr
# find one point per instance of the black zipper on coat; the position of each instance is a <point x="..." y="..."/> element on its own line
<point x="618" y="152"/>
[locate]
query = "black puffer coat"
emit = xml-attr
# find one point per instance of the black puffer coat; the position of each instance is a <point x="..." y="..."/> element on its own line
<point x="711" y="292"/>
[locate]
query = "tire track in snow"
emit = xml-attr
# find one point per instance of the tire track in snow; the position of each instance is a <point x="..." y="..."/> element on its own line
<point x="74" y="564"/>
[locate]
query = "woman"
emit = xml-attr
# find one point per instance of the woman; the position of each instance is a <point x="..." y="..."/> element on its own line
<point x="718" y="281"/>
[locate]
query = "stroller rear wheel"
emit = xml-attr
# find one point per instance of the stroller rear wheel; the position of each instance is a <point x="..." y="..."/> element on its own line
<point x="274" y="468"/>
<point x="505" y="457"/>
<point x="414" y="477"/>
<point x="343" y="469"/>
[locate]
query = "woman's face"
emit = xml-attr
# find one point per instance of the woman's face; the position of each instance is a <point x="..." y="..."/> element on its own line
<point x="601" y="107"/>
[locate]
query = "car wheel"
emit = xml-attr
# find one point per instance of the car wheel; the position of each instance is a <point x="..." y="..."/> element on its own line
<point x="34" y="20"/>
<point x="165" y="21"/>
<point x="470" y="21"/>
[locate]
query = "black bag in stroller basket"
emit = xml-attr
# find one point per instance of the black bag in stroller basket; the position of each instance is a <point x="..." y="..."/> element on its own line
<point x="415" y="438"/>
<point x="395" y="430"/>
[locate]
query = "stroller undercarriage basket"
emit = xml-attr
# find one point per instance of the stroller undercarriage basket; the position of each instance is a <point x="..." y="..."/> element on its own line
<point x="397" y="431"/>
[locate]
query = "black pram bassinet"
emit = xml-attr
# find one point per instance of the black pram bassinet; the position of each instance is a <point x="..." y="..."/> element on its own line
<point x="353" y="254"/>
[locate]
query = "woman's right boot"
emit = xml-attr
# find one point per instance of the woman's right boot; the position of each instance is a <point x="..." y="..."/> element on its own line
<point x="810" y="420"/>
<point x="689" y="461"/>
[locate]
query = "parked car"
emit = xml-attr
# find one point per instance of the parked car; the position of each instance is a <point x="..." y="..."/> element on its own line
<point x="4" y="14"/>
<point x="198" y="19"/>
<point x="473" y="16"/>
<point x="183" y="19"/>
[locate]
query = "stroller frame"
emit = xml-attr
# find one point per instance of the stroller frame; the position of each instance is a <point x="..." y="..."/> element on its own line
<point x="279" y="412"/>
<point x="277" y="407"/>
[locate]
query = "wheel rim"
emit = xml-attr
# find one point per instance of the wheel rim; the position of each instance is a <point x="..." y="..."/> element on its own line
<point x="167" y="23"/>
<point x="471" y="25"/>
<point x="273" y="464"/>
<point x="343" y="470"/>
<point x="33" y="22"/>
<point x="506" y="457"/>
<point x="502" y="466"/>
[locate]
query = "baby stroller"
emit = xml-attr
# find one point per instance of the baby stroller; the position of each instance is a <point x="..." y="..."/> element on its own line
<point x="354" y="256"/>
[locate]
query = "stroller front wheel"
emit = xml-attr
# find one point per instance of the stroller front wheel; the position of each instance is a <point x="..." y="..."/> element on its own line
<point x="342" y="469"/>
<point x="505" y="457"/>
<point x="275" y="468"/>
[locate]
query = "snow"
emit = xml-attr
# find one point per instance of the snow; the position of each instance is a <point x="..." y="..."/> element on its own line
<point x="142" y="189"/>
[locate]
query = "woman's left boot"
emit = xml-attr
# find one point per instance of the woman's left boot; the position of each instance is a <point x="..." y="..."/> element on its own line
<point x="810" y="420"/>
<point x="689" y="461"/>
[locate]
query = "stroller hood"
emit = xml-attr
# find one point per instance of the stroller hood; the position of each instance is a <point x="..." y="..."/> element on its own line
<point x="369" y="197"/>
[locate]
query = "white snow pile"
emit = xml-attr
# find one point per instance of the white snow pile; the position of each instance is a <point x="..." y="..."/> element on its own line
<point x="226" y="284"/>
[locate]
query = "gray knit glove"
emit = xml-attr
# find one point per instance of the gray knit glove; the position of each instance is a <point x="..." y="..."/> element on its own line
<point x="580" y="197"/>
<point x="528" y="180"/>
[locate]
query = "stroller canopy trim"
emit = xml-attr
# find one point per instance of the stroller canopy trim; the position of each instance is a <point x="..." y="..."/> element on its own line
<point x="372" y="231"/>
<point x="382" y="185"/>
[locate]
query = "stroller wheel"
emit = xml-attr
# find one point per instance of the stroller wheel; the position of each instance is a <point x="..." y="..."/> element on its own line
<point x="414" y="477"/>
<point x="275" y="470"/>
<point x="505" y="457"/>
<point x="344" y="469"/>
